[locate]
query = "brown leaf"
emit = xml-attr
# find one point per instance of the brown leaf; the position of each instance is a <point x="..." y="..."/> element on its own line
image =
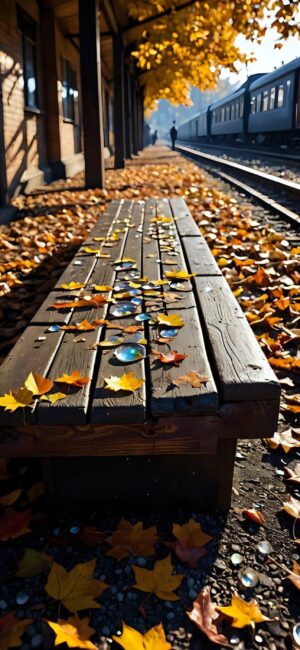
<point x="254" y="515"/>
<point x="205" y="615"/>
<point x="173" y="357"/>
<point x="193" y="378"/>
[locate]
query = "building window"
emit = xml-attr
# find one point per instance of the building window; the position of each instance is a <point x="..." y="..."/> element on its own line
<point x="69" y="91"/>
<point x="27" y="26"/>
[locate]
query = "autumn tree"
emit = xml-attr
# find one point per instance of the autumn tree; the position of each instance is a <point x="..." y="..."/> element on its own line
<point x="179" y="44"/>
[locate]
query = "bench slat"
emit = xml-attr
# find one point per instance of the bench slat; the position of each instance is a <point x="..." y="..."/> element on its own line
<point x="186" y="226"/>
<point x="243" y="370"/>
<point x="198" y="256"/>
<point x="119" y="407"/>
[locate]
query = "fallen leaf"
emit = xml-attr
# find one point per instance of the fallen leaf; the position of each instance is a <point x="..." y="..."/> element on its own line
<point x="131" y="329"/>
<point x="173" y="357"/>
<point x="14" y="524"/>
<point x="91" y="536"/>
<point x="9" y="499"/>
<point x="16" y="399"/>
<point x="179" y="275"/>
<point x="205" y="615"/>
<point x="254" y="515"/>
<point x="37" y="384"/>
<point x="32" y="563"/>
<point x="83" y="326"/>
<point x="12" y="630"/>
<point x="285" y="439"/>
<point x="95" y="301"/>
<point x="243" y="613"/>
<point x="127" y="381"/>
<point x="159" y="580"/>
<point x="192" y="378"/>
<point x="292" y="507"/>
<point x="154" y="639"/>
<point x="74" y="379"/>
<point x="102" y="287"/>
<point x="190" y="540"/>
<point x="292" y="474"/>
<point x="132" y="540"/>
<point x="75" y="632"/>
<point x="294" y="575"/>
<point x="173" y="320"/>
<point x="75" y="589"/>
<point x="36" y="491"/>
<point x="53" y="397"/>
<point x="72" y="286"/>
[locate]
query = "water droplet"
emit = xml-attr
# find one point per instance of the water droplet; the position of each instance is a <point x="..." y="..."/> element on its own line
<point x="264" y="547"/>
<point x="234" y="639"/>
<point x="137" y="301"/>
<point x="22" y="598"/>
<point x="168" y="333"/>
<point x="236" y="559"/>
<point x="74" y="530"/>
<point x="124" y="266"/>
<point x="142" y="317"/>
<point x="77" y="263"/>
<point x="122" y="309"/>
<point x="53" y="328"/>
<point x="129" y="352"/>
<point x="41" y="338"/>
<point x="249" y="578"/>
<point x="207" y="289"/>
<point x="296" y="634"/>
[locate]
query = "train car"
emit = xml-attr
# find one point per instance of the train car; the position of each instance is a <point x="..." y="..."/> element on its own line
<point x="227" y="115"/>
<point x="275" y="103"/>
<point x="197" y="128"/>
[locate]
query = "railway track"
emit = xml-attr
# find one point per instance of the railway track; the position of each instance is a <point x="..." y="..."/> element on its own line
<point x="280" y="195"/>
<point x="238" y="151"/>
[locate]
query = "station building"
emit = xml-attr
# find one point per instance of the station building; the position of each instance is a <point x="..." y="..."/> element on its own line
<point x="70" y="94"/>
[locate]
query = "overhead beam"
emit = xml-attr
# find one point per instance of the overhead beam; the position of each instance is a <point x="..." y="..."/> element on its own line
<point x="139" y="23"/>
<point x="109" y="15"/>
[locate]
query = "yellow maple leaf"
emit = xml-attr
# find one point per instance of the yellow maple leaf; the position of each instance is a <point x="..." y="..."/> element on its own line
<point x="285" y="439"/>
<point x="76" y="589"/>
<point x="159" y="580"/>
<point x="154" y="639"/>
<point x="37" y="384"/>
<point x="243" y="613"/>
<point x="173" y="320"/>
<point x="74" y="379"/>
<point x="102" y="287"/>
<point x="179" y="275"/>
<point x="99" y="238"/>
<point x="75" y="632"/>
<point x="11" y="630"/>
<point x="72" y="286"/>
<point x="54" y="397"/>
<point x="16" y="399"/>
<point x="125" y="259"/>
<point x="190" y="542"/>
<point x="132" y="539"/>
<point x="127" y="381"/>
<point x="9" y="499"/>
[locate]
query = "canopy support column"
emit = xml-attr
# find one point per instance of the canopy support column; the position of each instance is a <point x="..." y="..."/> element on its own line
<point x="119" y="106"/>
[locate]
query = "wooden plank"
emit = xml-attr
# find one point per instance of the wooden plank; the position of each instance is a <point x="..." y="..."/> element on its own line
<point x="242" y="368"/>
<point x="184" y="399"/>
<point x="121" y="407"/>
<point x="29" y="354"/>
<point x="185" y="223"/>
<point x="198" y="256"/>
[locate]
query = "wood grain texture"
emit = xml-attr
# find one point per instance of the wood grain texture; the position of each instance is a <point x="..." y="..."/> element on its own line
<point x="185" y="223"/>
<point x="27" y="355"/>
<point x="121" y="407"/>
<point x="242" y="368"/>
<point x="198" y="256"/>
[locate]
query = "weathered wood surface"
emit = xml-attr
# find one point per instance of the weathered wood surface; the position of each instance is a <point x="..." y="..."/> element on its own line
<point x="243" y="370"/>
<point x="227" y="352"/>
<point x="170" y="435"/>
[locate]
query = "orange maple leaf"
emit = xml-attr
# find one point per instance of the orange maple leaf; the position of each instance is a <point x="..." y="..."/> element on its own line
<point x="74" y="379"/>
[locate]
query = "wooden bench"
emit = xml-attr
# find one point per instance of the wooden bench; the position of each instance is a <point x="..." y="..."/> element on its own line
<point x="161" y="443"/>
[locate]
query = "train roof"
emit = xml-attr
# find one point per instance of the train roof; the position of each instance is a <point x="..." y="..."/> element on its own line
<point x="276" y="74"/>
<point x="193" y="117"/>
<point x="228" y="98"/>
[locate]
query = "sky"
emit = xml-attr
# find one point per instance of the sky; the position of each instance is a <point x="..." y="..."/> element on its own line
<point x="267" y="58"/>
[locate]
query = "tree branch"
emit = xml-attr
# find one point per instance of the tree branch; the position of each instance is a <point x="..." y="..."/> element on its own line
<point x="162" y="14"/>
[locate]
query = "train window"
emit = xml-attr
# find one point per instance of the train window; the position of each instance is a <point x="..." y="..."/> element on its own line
<point x="222" y="114"/>
<point x="280" y="96"/>
<point x="272" y="99"/>
<point x="258" y="102"/>
<point x="265" y="100"/>
<point x="241" y="106"/>
<point x="253" y="103"/>
<point x="227" y="112"/>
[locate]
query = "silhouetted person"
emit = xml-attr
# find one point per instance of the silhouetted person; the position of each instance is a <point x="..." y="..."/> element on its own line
<point x="173" y="134"/>
<point x="154" y="137"/>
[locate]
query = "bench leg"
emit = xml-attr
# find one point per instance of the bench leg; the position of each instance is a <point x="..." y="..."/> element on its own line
<point x="226" y="458"/>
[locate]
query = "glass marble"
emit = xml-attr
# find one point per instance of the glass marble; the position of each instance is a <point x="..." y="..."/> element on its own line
<point x="136" y="300"/>
<point x="53" y="328"/>
<point x="236" y="559"/>
<point x="249" y="578"/>
<point x="129" y="352"/>
<point x="264" y="547"/>
<point x="112" y="341"/>
<point x="22" y="598"/>
<point x="296" y="634"/>
<point x="120" y="309"/>
<point x="142" y="317"/>
<point x="168" y="333"/>
<point x="124" y="266"/>
<point x="74" y="530"/>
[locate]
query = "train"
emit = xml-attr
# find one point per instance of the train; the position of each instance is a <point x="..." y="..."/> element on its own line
<point x="264" y="110"/>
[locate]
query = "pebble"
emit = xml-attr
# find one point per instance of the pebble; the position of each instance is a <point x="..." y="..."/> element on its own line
<point x="140" y="561"/>
<point x="120" y="597"/>
<point x="170" y="616"/>
<point x="114" y="589"/>
<point x="36" y="640"/>
<point x="192" y="594"/>
<point x="22" y="598"/>
<point x="190" y="583"/>
<point x="3" y="604"/>
<point x="106" y="630"/>
<point x="258" y="638"/>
